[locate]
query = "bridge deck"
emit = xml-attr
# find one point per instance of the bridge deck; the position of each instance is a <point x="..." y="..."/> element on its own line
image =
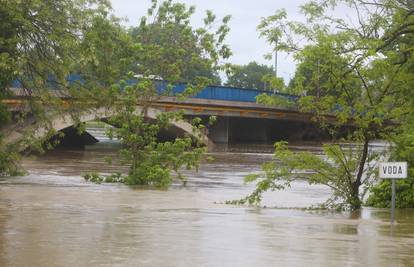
<point x="195" y="106"/>
<point x="212" y="100"/>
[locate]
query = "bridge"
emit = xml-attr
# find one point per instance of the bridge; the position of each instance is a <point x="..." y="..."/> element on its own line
<point x="240" y="120"/>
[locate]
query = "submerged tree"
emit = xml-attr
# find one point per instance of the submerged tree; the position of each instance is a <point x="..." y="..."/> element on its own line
<point x="336" y="170"/>
<point x="160" y="52"/>
<point x="48" y="41"/>
<point x="361" y="79"/>
<point x="151" y="161"/>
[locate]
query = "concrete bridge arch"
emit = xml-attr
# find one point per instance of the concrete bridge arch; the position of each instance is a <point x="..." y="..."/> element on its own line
<point x="64" y="121"/>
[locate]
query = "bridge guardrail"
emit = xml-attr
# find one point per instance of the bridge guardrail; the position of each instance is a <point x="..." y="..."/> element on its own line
<point x="214" y="92"/>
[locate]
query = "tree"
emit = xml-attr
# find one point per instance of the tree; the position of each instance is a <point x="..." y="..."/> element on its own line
<point x="193" y="57"/>
<point x="150" y="161"/>
<point x="312" y="76"/>
<point x="249" y="76"/>
<point x="106" y="53"/>
<point x="336" y="171"/>
<point x="39" y="40"/>
<point x="366" y="70"/>
<point x="58" y="38"/>
<point x="155" y="53"/>
<point x="403" y="138"/>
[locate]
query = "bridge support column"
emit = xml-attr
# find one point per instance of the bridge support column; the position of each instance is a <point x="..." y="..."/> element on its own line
<point x="219" y="133"/>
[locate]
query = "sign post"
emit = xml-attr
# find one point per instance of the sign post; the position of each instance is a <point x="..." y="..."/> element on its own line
<point x="393" y="171"/>
<point x="392" y="200"/>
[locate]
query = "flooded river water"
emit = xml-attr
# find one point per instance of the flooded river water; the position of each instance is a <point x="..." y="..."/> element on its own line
<point x="53" y="217"/>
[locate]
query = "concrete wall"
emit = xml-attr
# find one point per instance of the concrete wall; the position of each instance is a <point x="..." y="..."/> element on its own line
<point x="233" y="130"/>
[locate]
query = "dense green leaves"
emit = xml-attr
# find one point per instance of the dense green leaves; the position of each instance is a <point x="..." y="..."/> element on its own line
<point x="249" y="76"/>
<point x="9" y="159"/>
<point x="174" y="50"/>
<point x="402" y="151"/>
<point x="39" y="40"/>
<point x="44" y="41"/>
<point x="163" y="47"/>
<point x="380" y="196"/>
<point x="337" y="170"/>
<point x="350" y="75"/>
<point x="107" y="52"/>
<point x="151" y="161"/>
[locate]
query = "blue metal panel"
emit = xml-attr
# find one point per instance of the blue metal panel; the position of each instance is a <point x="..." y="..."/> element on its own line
<point x="210" y="92"/>
<point x="228" y="94"/>
<point x="16" y="84"/>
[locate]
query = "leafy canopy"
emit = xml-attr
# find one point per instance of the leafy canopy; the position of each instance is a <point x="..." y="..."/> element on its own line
<point x="167" y="48"/>
<point x="249" y="76"/>
<point x="352" y="74"/>
<point x="39" y="40"/>
<point x="336" y="170"/>
<point x="45" y="41"/>
<point x="175" y="50"/>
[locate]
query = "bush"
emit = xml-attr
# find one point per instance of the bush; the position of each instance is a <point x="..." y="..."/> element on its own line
<point x="380" y="196"/>
<point x="95" y="177"/>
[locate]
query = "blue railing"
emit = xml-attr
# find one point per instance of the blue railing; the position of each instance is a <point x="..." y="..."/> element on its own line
<point x="215" y="92"/>
<point x="237" y="94"/>
<point x="210" y="92"/>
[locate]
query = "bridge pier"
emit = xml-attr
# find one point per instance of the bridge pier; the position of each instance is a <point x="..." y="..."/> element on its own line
<point x="230" y="131"/>
<point x="219" y="133"/>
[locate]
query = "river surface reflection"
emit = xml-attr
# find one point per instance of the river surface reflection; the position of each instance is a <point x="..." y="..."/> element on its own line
<point x="52" y="217"/>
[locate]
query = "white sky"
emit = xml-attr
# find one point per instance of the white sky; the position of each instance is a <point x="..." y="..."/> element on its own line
<point x="243" y="38"/>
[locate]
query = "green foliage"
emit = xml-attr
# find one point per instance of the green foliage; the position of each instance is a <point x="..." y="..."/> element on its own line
<point x="151" y="161"/>
<point x="39" y="41"/>
<point x="344" y="69"/>
<point x="7" y="159"/>
<point x="350" y="76"/>
<point x="9" y="162"/>
<point x="337" y="171"/>
<point x="317" y="71"/>
<point x="274" y="83"/>
<point x="276" y="101"/>
<point x="51" y="39"/>
<point x="403" y="150"/>
<point x="107" y="52"/>
<point x="95" y="177"/>
<point x="249" y="76"/>
<point x="174" y="50"/>
<point x="380" y="195"/>
<point x="403" y="139"/>
<point x="212" y="120"/>
<point x="115" y="178"/>
<point x="168" y="48"/>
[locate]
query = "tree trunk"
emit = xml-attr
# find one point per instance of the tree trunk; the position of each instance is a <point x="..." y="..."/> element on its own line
<point x="355" y="200"/>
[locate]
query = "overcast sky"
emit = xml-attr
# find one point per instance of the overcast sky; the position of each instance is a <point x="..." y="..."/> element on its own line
<point x="243" y="39"/>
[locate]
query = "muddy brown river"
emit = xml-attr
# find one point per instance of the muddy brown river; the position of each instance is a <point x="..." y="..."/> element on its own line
<point x="53" y="217"/>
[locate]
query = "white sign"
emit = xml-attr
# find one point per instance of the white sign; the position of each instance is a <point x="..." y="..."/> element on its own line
<point x="393" y="170"/>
